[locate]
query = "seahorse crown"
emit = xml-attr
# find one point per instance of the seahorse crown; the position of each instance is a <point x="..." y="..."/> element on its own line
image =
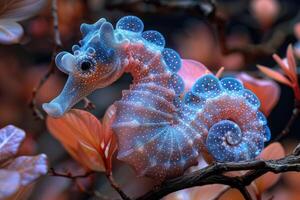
<point x="161" y="130"/>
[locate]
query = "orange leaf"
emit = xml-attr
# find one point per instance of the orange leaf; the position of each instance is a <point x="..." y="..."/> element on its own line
<point x="90" y="157"/>
<point x="274" y="75"/>
<point x="9" y="183"/>
<point x="209" y="192"/>
<point x="29" y="167"/>
<point x="292" y="179"/>
<point x="284" y="66"/>
<point x="271" y="152"/>
<point x="190" y="71"/>
<point x="220" y="72"/>
<point x="83" y="136"/>
<point x="292" y="63"/>
<point x="10" y="141"/>
<point x="267" y="91"/>
<point x="110" y="138"/>
<point x="76" y="126"/>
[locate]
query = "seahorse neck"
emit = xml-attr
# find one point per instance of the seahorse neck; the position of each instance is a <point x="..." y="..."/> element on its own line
<point x="142" y="62"/>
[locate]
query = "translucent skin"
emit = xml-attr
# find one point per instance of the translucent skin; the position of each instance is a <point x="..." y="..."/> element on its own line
<point x="161" y="130"/>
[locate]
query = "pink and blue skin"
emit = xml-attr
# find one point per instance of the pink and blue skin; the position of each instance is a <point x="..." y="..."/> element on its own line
<point x="161" y="128"/>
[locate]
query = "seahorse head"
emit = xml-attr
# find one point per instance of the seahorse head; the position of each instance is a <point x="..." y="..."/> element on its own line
<point x="94" y="63"/>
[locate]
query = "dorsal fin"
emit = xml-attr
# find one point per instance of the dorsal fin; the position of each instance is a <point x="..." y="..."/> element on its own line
<point x="130" y="23"/>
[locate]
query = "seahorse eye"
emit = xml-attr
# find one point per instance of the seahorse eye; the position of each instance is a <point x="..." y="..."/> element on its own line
<point x="86" y="66"/>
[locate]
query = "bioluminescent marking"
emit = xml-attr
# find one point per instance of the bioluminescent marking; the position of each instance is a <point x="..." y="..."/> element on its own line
<point x="161" y="130"/>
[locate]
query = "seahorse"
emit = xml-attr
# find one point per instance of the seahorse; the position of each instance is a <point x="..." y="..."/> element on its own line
<point x="161" y="129"/>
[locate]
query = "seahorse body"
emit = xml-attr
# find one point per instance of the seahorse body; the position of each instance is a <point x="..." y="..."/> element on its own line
<point x="161" y="130"/>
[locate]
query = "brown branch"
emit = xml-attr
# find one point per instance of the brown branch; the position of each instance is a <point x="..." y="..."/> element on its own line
<point x="292" y="120"/>
<point x="214" y="174"/>
<point x="207" y="10"/>
<point x="88" y="104"/>
<point x="53" y="172"/>
<point x="252" y="52"/>
<point x="57" y="46"/>
<point x="203" y="9"/>
<point x="116" y="187"/>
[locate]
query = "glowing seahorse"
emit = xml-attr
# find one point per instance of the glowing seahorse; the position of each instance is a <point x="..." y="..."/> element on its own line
<point x="159" y="133"/>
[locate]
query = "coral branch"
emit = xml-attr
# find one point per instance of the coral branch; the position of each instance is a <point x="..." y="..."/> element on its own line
<point x="214" y="174"/>
<point x="57" y="46"/>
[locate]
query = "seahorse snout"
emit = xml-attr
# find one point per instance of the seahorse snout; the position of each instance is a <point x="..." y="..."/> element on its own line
<point x="53" y="109"/>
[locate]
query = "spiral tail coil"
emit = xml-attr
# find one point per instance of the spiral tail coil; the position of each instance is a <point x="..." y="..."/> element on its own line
<point x="234" y="129"/>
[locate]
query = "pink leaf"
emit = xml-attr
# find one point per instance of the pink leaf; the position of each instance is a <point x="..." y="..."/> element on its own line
<point x="29" y="167"/>
<point x="274" y="75"/>
<point x="9" y="183"/>
<point x="190" y="71"/>
<point x="283" y="64"/>
<point x="267" y="91"/>
<point x="10" y="32"/>
<point x="10" y="140"/>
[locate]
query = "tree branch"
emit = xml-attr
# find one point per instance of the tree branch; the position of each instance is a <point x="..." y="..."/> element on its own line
<point x="56" y="47"/>
<point x="116" y="187"/>
<point x="207" y="9"/>
<point x="214" y="174"/>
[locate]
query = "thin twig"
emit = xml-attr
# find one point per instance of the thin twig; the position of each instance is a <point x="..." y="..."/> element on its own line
<point x="53" y="172"/>
<point x="88" y="105"/>
<point x="116" y="187"/>
<point x="292" y="120"/>
<point x="208" y="10"/>
<point x="57" y="46"/>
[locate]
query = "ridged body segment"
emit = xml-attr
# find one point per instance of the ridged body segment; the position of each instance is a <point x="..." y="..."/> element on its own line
<point x="161" y="129"/>
<point x="153" y="137"/>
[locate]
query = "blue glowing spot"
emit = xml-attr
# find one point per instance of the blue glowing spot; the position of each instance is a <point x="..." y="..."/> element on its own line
<point x="267" y="133"/>
<point x="256" y="147"/>
<point x="167" y="165"/>
<point x="182" y="161"/>
<point x="177" y="102"/>
<point x="130" y="23"/>
<point x="231" y="84"/>
<point x="261" y="118"/>
<point x="172" y="59"/>
<point x="176" y="83"/>
<point x="155" y="38"/>
<point x="153" y="162"/>
<point x="207" y="86"/>
<point x="193" y="100"/>
<point x="251" y="98"/>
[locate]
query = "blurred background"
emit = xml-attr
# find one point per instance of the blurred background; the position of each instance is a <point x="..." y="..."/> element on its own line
<point x="248" y="33"/>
